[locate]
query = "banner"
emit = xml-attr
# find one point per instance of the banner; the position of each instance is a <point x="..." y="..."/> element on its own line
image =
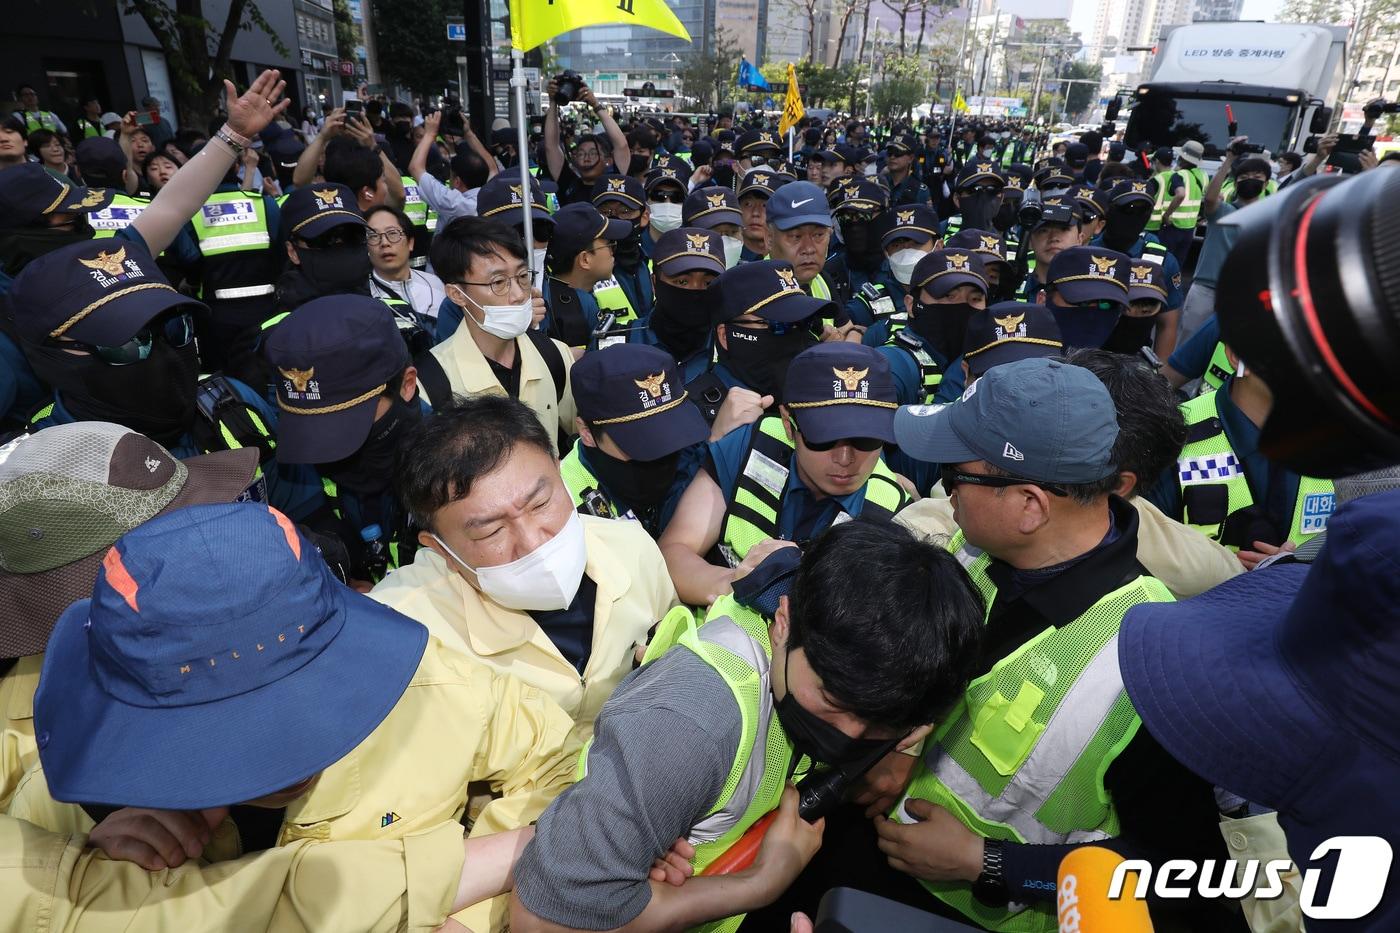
<point x="535" y="22"/>
<point x="793" y="111"/>
<point x="750" y="78"/>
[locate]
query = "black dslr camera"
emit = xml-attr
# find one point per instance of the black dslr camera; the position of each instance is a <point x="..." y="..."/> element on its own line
<point x="567" y="86"/>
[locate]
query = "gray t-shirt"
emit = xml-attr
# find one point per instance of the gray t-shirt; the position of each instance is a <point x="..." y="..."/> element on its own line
<point x="1216" y="245"/>
<point x="663" y="745"/>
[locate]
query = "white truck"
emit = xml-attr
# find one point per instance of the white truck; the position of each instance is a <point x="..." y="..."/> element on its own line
<point x="1281" y="82"/>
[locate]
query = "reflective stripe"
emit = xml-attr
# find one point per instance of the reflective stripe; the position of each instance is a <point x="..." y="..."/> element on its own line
<point x="247" y="291"/>
<point x="235" y="240"/>
<point x="1072" y="726"/>
<point x="725" y="633"/>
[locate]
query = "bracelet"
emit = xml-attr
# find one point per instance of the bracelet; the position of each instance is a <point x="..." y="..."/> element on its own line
<point x="235" y="140"/>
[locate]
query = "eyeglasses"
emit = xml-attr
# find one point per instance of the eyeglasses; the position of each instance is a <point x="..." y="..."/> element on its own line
<point x="500" y="285"/>
<point x="176" y="330"/>
<point x="863" y="444"/>
<point x="951" y="478"/>
<point x="617" y="212"/>
<point x="666" y="197"/>
<point x="392" y="235"/>
<point x="610" y="246"/>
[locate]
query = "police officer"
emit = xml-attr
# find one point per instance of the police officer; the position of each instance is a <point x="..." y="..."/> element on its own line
<point x="1023" y="149"/>
<point x="665" y="188"/>
<point x="935" y="163"/>
<point x="762" y="320"/>
<point x="948" y="286"/>
<point x="756" y="147"/>
<point x="1086" y="289"/>
<point x="581" y="255"/>
<point x="717" y="209"/>
<point x="1225" y="487"/>
<point x="906" y="235"/>
<point x="996" y="264"/>
<point x="1056" y="229"/>
<point x="682" y="323"/>
<point x="976" y="196"/>
<point x="904" y="184"/>
<point x="1126" y="207"/>
<point x="237" y="270"/>
<point x="100" y="324"/>
<point x="1147" y="296"/>
<point x="824" y="166"/>
<point x="34" y="118"/>
<point x="348" y="394"/>
<point x="754" y="191"/>
<point x="858" y="272"/>
<point x="1179" y="195"/>
<point x="789" y="475"/>
<point x="1006" y="332"/>
<point x="627" y="294"/>
<point x="636" y="449"/>
<point x="1091" y="204"/>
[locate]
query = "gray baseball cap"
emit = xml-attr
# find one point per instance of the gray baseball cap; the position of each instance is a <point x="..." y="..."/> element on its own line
<point x="1040" y="419"/>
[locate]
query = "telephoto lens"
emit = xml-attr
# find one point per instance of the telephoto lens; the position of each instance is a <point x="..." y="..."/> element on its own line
<point x="1309" y="298"/>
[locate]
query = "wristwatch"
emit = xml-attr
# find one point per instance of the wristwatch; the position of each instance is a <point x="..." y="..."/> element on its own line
<point x="990" y="886"/>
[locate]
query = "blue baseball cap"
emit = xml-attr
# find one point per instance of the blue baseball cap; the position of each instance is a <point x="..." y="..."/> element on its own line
<point x="635" y="395"/>
<point x="29" y="193"/>
<point x="711" y="206"/>
<point x="1292" y="702"/>
<point x="677" y="175"/>
<point x="316" y="209"/>
<point x="502" y="198"/>
<point x="841" y="390"/>
<point x="334" y="356"/>
<point x="861" y="196"/>
<point x="1040" y="419"/>
<point x="624" y="189"/>
<point x="801" y="202"/>
<point x="218" y="661"/>
<point x="986" y="244"/>
<point x="577" y="225"/>
<point x="100" y="292"/>
<point x="917" y="222"/>
<point x="1147" y="281"/>
<point x="763" y="180"/>
<point x="942" y="270"/>
<point x="767" y="288"/>
<point x="1009" y="331"/>
<point x="979" y="172"/>
<point x="1082" y="276"/>
<point x="687" y="249"/>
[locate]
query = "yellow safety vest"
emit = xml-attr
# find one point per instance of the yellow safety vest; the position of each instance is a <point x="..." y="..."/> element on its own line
<point x="1189" y="210"/>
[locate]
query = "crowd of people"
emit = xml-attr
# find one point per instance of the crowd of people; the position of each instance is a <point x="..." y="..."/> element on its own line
<point x="366" y="567"/>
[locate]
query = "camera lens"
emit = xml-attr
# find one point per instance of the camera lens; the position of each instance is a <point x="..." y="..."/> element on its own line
<point x="1309" y="298"/>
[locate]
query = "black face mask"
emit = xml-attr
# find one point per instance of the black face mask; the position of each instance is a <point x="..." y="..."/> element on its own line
<point x="818" y="739"/>
<point x="943" y="327"/>
<point x="1247" y="189"/>
<point x="337" y="270"/>
<point x="154" y="397"/>
<point x="640" y="485"/>
<point x="1005" y="217"/>
<point x="1122" y="228"/>
<point x="21" y="245"/>
<point x="638" y="164"/>
<point x="978" y="209"/>
<point x="862" y="246"/>
<point x="370" y="469"/>
<point x="628" y="252"/>
<point x="1130" y="334"/>
<point x="724" y="175"/>
<point x="681" y="319"/>
<point x="760" y="358"/>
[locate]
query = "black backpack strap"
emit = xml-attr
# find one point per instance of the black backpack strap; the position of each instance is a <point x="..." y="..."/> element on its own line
<point x="433" y="377"/>
<point x="226" y="422"/>
<point x="553" y="358"/>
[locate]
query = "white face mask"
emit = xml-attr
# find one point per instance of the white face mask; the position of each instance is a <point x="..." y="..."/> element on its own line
<point x="545" y="580"/>
<point x="537" y="262"/>
<point x="665" y="216"/>
<point x="504" y="321"/>
<point x="871" y="170"/>
<point x="733" y="248"/>
<point x="903" y="262"/>
<point x="987" y="153"/>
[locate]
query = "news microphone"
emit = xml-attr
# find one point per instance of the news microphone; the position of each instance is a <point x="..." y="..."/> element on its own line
<point x="1082" y="900"/>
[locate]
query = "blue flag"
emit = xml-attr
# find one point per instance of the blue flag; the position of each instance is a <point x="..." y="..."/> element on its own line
<point x="750" y="77"/>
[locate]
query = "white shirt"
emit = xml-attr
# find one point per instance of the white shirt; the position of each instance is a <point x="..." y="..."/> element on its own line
<point x="423" y="291"/>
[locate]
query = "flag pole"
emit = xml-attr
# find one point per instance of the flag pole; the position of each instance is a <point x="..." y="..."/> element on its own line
<point x="522" y="138"/>
<point x="791" y="130"/>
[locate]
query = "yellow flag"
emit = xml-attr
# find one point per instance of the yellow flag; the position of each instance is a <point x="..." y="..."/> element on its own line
<point x="535" y="22"/>
<point x="959" y="104"/>
<point x="793" y="110"/>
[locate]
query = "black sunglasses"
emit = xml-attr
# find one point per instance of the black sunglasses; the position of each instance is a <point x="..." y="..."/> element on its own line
<point x="864" y="444"/>
<point x="177" y="330"/>
<point x="666" y="197"/>
<point x="951" y="478"/>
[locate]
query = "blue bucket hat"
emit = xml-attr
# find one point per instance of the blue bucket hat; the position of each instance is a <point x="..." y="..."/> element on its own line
<point x="1039" y="419"/>
<point x="192" y="679"/>
<point x="1292" y="704"/>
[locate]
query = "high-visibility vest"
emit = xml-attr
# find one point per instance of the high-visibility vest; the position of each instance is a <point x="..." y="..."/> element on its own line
<point x="38" y="120"/>
<point x="1208" y="464"/>
<point x="118" y="215"/>
<point x="232" y="222"/>
<point x="1217" y="371"/>
<point x="819" y="288"/>
<point x="1024" y="755"/>
<point x="87" y="129"/>
<point x="585" y="491"/>
<point x="930" y="373"/>
<point x="734" y="642"/>
<point x="756" y="502"/>
<point x="1189" y="210"/>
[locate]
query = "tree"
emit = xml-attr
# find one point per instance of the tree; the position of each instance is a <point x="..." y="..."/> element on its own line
<point x="412" y="43"/>
<point x="902" y="8"/>
<point x="711" y="79"/>
<point x="197" y="52"/>
<point x="902" y="86"/>
<point x="1079" y="97"/>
